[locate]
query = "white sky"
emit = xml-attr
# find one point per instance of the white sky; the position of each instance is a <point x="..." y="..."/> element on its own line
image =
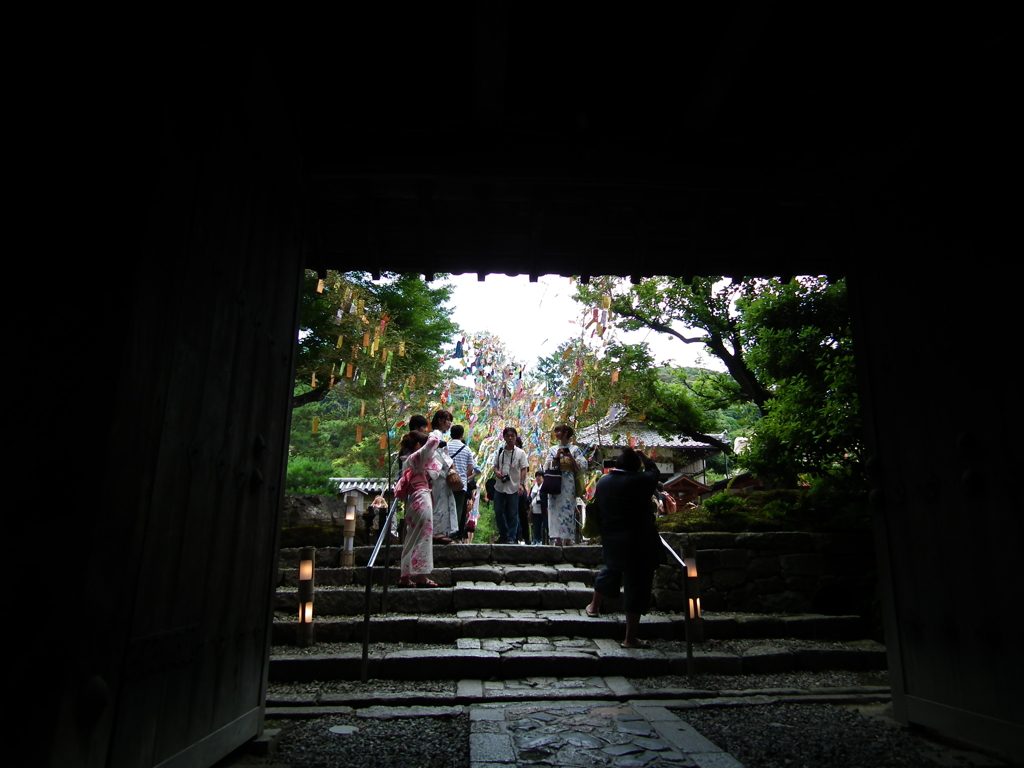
<point x="532" y="319"/>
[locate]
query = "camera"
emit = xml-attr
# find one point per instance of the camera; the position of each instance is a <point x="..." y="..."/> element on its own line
<point x="505" y="478"/>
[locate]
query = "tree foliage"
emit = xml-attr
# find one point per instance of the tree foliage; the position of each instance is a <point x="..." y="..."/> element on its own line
<point x="800" y="342"/>
<point x="368" y="352"/>
<point x="788" y="352"/>
<point x="590" y="380"/>
<point x="671" y="305"/>
<point x="341" y="324"/>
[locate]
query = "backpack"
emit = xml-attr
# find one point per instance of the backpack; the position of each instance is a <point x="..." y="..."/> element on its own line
<point x="670" y="503"/>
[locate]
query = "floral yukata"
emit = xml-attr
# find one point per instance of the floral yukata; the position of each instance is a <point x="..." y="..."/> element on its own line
<point x="418" y="550"/>
<point x="562" y="508"/>
<point x="446" y="516"/>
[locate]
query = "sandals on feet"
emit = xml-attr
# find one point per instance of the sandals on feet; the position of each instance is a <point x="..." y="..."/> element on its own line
<point x="593" y="614"/>
<point x="426" y="584"/>
<point x="406" y="583"/>
<point x="640" y="644"/>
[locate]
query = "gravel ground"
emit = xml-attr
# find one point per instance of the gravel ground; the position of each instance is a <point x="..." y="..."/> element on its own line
<point x="424" y="742"/>
<point x="827" y="679"/>
<point x="816" y="735"/>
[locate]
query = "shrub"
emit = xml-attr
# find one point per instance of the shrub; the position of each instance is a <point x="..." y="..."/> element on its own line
<point x="722" y="503"/>
<point x="309" y="476"/>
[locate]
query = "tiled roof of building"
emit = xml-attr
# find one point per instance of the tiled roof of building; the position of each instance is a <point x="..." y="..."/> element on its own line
<point x="615" y="430"/>
<point x="362" y="484"/>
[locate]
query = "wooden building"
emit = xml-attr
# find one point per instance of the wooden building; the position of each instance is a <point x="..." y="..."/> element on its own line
<point x="674" y="455"/>
<point x="207" y="167"/>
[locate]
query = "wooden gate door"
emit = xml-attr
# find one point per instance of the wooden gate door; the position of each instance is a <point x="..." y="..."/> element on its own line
<point x="164" y="662"/>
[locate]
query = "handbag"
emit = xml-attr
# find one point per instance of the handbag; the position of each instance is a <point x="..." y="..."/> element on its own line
<point x="453" y="479"/>
<point x="552" y="483"/>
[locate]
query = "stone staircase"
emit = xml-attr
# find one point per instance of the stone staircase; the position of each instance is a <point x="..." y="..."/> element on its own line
<point x="507" y="612"/>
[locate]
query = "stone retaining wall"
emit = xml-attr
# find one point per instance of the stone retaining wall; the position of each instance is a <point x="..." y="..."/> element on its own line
<point x="778" y="572"/>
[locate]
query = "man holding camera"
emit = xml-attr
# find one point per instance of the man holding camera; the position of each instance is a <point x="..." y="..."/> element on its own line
<point x="510" y="471"/>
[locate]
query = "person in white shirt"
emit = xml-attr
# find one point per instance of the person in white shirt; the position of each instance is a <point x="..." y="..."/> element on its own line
<point x="511" y="468"/>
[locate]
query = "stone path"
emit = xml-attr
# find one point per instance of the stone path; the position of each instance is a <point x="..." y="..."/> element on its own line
<point x="588" y="734"/>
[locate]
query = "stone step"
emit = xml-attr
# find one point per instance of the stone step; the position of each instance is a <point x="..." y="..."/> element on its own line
<point x="572" y="622"/>
<point x="512" y="573"/>
<point x="462" y="595"/>
<point x="317" y="703"/>
<point x="453" y="555"/>
<point x="513" y="658"/>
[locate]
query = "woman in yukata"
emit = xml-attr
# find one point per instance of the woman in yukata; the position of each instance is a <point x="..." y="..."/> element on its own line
<point x="418" y="549"/>
<point x="562" y="508"/>
<point x="446" y="516"/>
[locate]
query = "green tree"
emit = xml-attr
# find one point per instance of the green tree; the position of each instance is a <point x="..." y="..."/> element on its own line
<point x="400" y="311"/>
<point x="788" y="353"/>
<point x="800" y="342"/>
<point x="671" y="305"/>
<point x="368" y="352"/>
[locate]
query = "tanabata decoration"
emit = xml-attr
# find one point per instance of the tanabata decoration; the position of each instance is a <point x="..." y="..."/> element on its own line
<point x="340" y="340"/>
<point x="362" y="408"/>
<point x="312" y="381"/>
<point x="348" y="371"/>
<point x="316" y="425"/>
<point x="366" y="340"/>
<point x="319" y="286"/>
<point x="359" y="434"/>
<point x="401" y="349"/>
<point x="383" y="442"/>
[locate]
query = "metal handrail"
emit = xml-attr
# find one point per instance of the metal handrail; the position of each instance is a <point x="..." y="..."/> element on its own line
<point x="686" y="612"/>
<point x="384" y="537"/>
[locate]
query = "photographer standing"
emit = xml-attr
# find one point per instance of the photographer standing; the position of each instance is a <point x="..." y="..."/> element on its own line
<point x="629" y="538"/>
<point x="510" y="471"/>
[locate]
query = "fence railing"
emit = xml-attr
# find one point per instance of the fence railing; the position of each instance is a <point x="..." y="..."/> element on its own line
<point x="383" y="539"/>
<point x="687" y="619"/>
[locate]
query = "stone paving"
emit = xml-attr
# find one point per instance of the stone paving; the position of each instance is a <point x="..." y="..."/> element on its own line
<point x="588" y="734"/>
